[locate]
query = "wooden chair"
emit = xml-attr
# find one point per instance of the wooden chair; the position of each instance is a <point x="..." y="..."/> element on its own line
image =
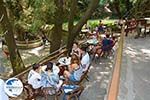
<point x="43" y="92"/>
<point x="46" y="93"/>
<point x="75" y="94"/>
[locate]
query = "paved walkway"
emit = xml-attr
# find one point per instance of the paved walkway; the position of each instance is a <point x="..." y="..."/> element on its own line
<point x="135" y="73"/>
<point x="100" y="74"/>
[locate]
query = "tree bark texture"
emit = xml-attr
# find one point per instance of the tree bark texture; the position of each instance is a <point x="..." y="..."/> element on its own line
<point x="15" y="58"/>
<point x="57" y="29"/>
<point x="117" y="8"/>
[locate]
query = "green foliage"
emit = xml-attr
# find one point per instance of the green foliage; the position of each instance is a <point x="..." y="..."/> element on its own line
<point x="36" y="25"/>
<point x="42" y="12"/>
<point x="93" y="24"/>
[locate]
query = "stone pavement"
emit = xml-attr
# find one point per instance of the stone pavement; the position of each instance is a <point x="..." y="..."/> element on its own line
<point x="100" y="74"/>
<point x="135" y="73"/>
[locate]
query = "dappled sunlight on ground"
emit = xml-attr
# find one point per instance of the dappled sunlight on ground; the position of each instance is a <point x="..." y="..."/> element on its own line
<point x="135" y="81"/>
<point x="146" y="52"/>
<point x="99" y="78"/>
<point x="36" y="51"/>
<point x="140" y="54"/>
<point x="29" y="57"/>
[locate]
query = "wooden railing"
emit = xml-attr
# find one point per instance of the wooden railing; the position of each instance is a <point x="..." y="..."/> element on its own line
<point x="115" y="81"/>
<point x="50" y="57"/>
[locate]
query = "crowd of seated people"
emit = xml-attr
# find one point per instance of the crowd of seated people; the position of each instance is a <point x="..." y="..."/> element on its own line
<point x="105" y="38"/>
<point x="104" y="47"/>
<point x="79" y="64"/>
<point x="40" y="79"/>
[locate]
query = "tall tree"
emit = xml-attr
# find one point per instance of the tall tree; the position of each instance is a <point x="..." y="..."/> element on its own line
<point x="75" y="29"/>
<point x="15" y="58"/>
<point x="57" y="29"/>
<point x="116" y="4"/>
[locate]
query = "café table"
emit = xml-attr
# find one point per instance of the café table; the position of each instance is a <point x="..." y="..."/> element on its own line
<point x="64" y="60"/>
<point x="85" y="30"/>
<point x="92" y="41"/>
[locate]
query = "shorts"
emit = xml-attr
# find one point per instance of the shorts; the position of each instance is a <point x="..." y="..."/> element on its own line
<point x="72" y="78"/>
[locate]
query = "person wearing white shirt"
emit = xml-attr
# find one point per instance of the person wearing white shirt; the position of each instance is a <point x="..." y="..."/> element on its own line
<point x="85" y="60"/>
<point x="34" y="77"/>
<point x="3" y="95"/>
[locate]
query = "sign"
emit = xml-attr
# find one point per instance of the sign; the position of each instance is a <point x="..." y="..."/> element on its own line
<point x="13" y="87"/>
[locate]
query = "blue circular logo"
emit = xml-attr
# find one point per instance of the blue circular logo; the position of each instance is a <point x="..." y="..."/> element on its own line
<point x="13" y="87"/>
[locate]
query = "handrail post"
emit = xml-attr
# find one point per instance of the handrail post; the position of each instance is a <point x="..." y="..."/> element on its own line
<point x="114" y="85"/>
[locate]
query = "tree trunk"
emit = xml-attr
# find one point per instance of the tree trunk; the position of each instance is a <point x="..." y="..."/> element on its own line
<point x="57" y="30"/>
<point x="77" y="28"/>
<point x="15" y="58"/>
<point x="128" y="5"/>
<point x="117" y="8"/>
<point x="56" y="38"/>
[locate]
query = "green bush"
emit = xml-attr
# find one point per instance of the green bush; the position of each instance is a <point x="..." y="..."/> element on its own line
<point x="93" y="24"/>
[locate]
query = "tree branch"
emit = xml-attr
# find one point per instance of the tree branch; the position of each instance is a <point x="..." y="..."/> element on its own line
<point x="93" y="5"/>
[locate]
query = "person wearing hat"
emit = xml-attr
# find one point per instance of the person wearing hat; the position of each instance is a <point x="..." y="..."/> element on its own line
<point x="34" y="77"/>
<point x="3" y="95"/>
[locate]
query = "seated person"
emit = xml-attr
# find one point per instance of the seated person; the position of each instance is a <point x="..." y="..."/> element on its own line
<point x="93" y="34"/>
<point x="50" y="79"/>
<point x="5" y="48"/>
<point x="75" y="61"/>
<point x="106" y="43"/>
<point x="85" y="58"/>
<point x="112" y="42"/>
<point x="75" y="70"/>
<point x="3" y="95"/>
<point x="34" y="77"/>
<point x="76" y="49"/>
